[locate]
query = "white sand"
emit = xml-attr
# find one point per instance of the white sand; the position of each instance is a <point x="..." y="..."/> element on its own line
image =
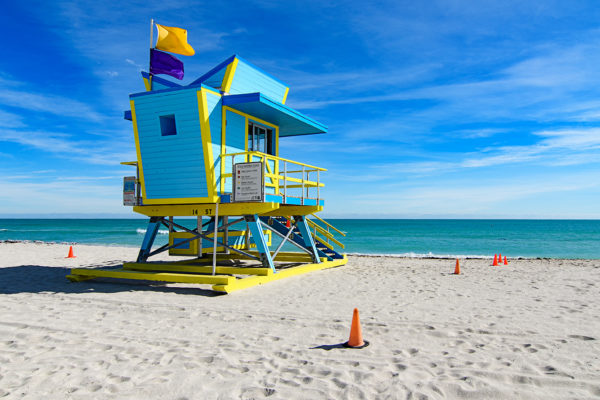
<point x="529" y="330"/>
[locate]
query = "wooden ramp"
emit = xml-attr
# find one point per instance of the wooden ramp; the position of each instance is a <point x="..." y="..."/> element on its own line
<point x="226" y="279"/>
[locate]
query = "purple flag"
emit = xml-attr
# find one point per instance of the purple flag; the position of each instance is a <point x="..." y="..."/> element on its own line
<point x="163" y="63"/>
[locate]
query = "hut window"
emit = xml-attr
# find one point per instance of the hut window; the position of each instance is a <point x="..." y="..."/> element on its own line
<point x="167" y="125"/>
<point x="260" y="139"/>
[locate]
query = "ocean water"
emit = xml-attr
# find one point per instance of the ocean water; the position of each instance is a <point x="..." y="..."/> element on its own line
<point x="406" y="237"/>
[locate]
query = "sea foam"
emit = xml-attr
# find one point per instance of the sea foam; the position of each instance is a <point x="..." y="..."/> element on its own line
<point x="160" y="231"/>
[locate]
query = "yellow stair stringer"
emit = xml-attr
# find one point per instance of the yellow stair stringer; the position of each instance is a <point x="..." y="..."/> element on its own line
<point x="244" y="283"/>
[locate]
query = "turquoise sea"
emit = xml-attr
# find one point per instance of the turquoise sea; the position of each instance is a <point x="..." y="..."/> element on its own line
<point x="407" y="237"/>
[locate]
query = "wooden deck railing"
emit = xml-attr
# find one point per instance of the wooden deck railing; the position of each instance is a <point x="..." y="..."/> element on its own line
<point x="286" y="177"/>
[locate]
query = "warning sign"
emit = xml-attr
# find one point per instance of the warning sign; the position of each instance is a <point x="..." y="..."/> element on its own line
<point x="248" y="182"/>
<point x="129" y="191"/>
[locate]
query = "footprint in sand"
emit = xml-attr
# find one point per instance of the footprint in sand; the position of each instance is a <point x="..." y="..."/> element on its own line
<point x="530" y="348"/>
<point x="581" y="337"/>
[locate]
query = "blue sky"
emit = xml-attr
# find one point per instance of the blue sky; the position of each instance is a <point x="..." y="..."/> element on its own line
<point x="485" y="109"/>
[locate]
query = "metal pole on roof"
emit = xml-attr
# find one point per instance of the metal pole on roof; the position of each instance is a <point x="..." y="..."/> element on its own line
<point x="151" y="31"/>
<point x="150" y="52"/>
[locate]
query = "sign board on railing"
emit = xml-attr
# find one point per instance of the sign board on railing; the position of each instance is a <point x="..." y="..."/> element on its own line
<point x="248" y="182"/>
<point x="129" y="191"/>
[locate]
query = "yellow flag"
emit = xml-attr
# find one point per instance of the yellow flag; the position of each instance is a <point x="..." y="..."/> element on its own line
<point x="173" y="40"/>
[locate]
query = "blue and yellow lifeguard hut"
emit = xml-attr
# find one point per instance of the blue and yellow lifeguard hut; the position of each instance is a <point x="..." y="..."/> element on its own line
<point x="210" y="150"/>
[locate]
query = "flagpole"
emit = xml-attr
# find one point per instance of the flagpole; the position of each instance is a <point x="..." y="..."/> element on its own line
<point x="151" y="31"/>
<point x="150" y="52"/>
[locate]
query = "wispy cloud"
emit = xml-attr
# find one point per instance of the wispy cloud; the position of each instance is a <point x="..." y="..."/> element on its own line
<point x="556" y="83"/>
<point x="556" y="148"/>
<point x="54" y="196"/>
<point x="66" y="146"/>
<point x="33" y="100"/>
<point x="10" y="120"/>
<point x="462" y="198"/>
<point x="559" y="147"/>
<point x="476" y="133"/>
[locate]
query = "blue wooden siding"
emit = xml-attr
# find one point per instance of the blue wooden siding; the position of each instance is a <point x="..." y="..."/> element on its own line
<point x="249" y="79"/>
<point x="235" y="141"/>
<point x="218" y="71"/>
<point x="173" y="166"/>
<point x="217" y="79"/>
<point x="156" y="85"/>
<point x="215" y="119"/>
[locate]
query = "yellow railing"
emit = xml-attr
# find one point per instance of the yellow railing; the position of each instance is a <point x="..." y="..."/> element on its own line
<point x="328" y="236"/>
<point x="284" y="176"/>
<point x="328" y="224"/>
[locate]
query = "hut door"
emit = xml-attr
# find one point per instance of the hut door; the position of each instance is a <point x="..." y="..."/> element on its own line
<point x="260" y="138"/>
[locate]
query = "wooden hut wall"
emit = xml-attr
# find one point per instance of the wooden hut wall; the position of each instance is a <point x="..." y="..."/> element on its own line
<point x="249" y="79"/>
<point x="172" y="166"/>
<point x="235" y="141"/>
<point x="213" y="101"/>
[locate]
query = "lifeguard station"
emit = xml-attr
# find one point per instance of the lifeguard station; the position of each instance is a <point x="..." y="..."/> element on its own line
<point x="210" y="150"/>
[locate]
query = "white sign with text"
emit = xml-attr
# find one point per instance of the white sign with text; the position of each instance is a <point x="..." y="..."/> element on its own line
<point x="248" y="182"/>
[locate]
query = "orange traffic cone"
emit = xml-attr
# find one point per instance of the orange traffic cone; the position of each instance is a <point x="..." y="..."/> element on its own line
<point x="356" y="340"/>
<point x="505" y="263"/>
<point x="70" y="253"/>
<point x="495" y="260"/>
<point x="499" y="258"/>
<point x="457" y="268"/>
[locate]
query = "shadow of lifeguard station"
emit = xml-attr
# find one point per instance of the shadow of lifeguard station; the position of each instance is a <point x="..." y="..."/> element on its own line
<point x="45" y="279"/>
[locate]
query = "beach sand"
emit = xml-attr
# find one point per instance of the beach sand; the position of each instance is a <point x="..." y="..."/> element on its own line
<point x="528" y="330"/>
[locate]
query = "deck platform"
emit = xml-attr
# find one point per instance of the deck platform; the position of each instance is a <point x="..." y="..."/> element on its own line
<point x="227" y="278"/>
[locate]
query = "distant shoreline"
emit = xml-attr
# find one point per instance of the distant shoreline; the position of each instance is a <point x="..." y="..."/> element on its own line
<point x="358" y="255"/>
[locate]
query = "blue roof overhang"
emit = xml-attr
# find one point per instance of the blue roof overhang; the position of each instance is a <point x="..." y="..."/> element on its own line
<point x="290" y="121"/>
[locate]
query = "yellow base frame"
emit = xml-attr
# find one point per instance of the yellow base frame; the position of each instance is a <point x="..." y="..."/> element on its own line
<point x="226" y="279"/>
<point x="225" y="209"/>
<point x="281" y="274"/>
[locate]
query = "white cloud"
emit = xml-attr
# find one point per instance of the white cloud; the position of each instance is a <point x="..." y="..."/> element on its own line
<point x="576" y="139"/>
<point x="493" y="197"/>
<point x="10" y="120"/>
<point x="551" y="83"/>
<point x="564" y="147"/>
<point x="476" y="133"/>
<point x="65" y="146"/>
<point x="27" y="99"/>
<point x="557" y="147"/>
<point x="84" y="195"/>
